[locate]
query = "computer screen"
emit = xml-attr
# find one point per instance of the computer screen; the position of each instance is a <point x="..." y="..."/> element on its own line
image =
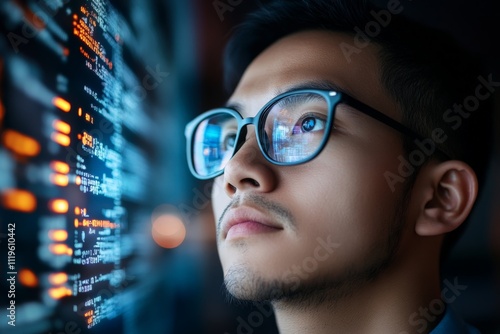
<point x="80" y="134"/>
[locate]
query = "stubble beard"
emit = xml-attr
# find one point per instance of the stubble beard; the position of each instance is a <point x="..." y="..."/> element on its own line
<point x="244" y="284"/>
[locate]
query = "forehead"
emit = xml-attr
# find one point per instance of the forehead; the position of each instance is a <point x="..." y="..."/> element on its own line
<point x="311" y="56"/>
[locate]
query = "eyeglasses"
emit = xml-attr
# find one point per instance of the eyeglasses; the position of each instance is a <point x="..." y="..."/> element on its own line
<point x="291" y="129"/>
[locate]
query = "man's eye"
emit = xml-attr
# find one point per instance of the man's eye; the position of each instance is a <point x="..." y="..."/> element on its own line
<point x="229" y="141"/>
<point x="308" y="124"/>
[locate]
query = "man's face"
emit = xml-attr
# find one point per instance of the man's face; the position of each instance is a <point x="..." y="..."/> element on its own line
<point x="320" y="224"/>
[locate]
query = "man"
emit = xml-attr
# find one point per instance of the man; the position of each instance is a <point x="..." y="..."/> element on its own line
<point x="342" y="167"/>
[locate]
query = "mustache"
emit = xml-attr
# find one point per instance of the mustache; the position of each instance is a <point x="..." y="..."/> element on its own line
<point x="276" y="210"/>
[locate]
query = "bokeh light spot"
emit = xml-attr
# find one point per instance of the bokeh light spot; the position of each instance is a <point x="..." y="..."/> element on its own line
<point x="168" y="231"/>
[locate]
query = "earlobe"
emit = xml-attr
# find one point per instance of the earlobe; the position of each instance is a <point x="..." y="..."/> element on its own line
<point x="452" y="188"/>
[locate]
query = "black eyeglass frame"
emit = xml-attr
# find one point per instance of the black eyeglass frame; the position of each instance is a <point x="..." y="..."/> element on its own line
<point x="332" y="97"/>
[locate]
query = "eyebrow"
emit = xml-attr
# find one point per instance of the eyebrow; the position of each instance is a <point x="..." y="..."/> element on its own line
<point x="311" y="84"/>
<point x="234" y="105"/>
<point x="314" y="84"/>
<point x="352" y="111"/>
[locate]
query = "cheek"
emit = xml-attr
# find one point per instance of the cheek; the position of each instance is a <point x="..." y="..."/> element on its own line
<point x="220" y="200"/>
<point x="356" y="168"/>
<point x="351" y="177"/>
<point x="347" y="197"/>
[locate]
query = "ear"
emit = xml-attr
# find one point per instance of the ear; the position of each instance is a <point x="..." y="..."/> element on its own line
<point x="449" y="190"/>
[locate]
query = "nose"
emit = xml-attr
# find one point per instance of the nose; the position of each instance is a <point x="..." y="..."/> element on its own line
<point x="248" y="170"/>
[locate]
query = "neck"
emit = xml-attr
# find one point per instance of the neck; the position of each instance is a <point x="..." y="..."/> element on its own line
<point x="398" y="300"/>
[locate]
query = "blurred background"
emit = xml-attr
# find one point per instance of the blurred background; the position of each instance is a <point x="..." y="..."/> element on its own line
<point x="102" y="226"/>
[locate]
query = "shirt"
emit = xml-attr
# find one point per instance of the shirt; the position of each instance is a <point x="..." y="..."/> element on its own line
<point x="453" y="324"/>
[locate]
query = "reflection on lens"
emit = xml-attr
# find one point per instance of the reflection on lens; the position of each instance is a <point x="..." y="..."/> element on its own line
<point x="214" y="142"/>
<point x="296" y="127"/>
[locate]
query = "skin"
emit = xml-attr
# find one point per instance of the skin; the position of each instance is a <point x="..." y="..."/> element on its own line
<point x="385" y="263"/>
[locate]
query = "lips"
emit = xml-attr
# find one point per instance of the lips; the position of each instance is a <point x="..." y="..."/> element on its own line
<point x="245" y="221"/>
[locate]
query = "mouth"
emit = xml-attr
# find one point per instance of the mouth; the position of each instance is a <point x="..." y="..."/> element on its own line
<point x="244" y="222"/>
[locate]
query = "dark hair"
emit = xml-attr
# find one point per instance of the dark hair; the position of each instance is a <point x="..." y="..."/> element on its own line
<point x="422" y="69"/>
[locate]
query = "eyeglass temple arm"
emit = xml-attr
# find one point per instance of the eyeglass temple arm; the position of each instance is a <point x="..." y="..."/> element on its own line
<point x="386" y="120"/>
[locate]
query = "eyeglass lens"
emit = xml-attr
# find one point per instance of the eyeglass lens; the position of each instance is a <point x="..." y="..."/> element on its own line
<point x="293" y="129"/>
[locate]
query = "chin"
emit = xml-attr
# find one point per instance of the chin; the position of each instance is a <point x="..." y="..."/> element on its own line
<point x="244" y="284"/>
